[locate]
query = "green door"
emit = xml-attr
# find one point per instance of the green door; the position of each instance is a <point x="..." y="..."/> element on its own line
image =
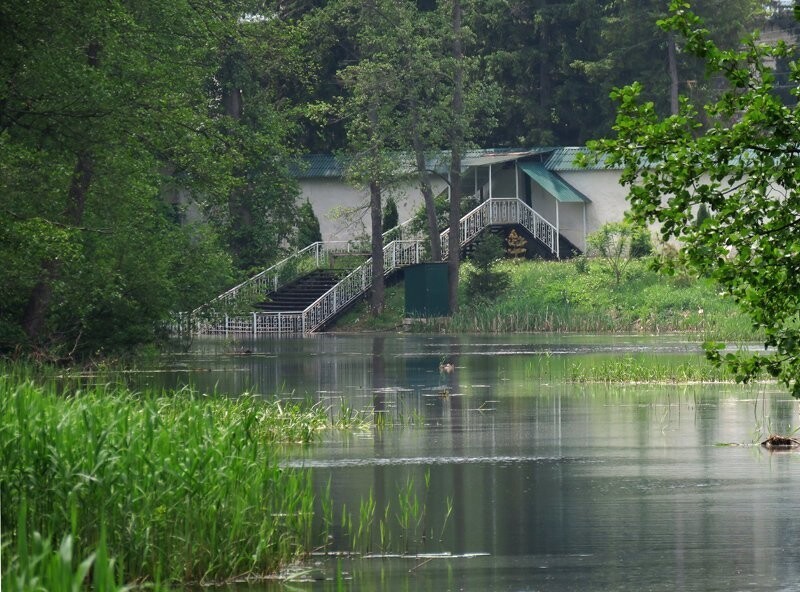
<point x="426" y="290"/>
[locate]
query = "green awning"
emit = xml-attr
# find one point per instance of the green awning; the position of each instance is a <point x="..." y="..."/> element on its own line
<point x="553" y="184"/>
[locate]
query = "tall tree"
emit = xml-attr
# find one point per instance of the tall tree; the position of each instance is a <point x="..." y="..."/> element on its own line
<point x="456" y="138"/>
<point x="262" y="77"/>
<point x="737" y="157"/>
<point x="559" y="59"/>
<point x="633" y="47"/>
<point x="370" y="109"/>
<point x="98" y="102"/>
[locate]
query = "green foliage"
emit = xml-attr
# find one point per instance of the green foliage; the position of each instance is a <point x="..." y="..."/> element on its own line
<point x="555" y="296"/>
<point x="261" y="75"/>
<point x="390" y="214"/>
<point x="95" y="133"/>
<point x="39" y="566"/>
<point x="418" y="222"/>
<point x="484" y="282"/>
<point x="702" y="215"/>
<point x="736" y="156"/>
<point x="125" y="107"/>
<point x="639" y="369"/>
<point x="616" y="243"/>
<point x="559" y="60"/>
<point x="177" y="486"/>
<point x="308" y="231"/>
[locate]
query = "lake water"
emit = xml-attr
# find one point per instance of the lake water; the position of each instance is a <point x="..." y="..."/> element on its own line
<point x="529" y="481"/>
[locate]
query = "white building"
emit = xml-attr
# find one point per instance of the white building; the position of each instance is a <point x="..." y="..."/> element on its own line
<point x="574" y="199"/>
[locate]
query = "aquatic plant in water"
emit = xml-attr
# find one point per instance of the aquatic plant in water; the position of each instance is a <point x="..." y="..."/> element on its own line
<point x="178" y="486"/>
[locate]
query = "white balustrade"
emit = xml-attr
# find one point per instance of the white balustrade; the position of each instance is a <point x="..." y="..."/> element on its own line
<point x="398" y="253"/>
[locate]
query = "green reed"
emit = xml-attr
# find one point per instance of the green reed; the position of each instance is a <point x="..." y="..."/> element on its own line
<point x="400" y="524"/>
<point x="178" y="487"/>
<point x="648" y="369"/>
<point x="37" y="565"/>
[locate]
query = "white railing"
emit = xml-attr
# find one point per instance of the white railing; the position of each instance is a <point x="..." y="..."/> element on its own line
<point x="503" y="211"/>
<point x="401" y="232"/>
<point x="396" y="254"/>
<point x="275" y="276"/>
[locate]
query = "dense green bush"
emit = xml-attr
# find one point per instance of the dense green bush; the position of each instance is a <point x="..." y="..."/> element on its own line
<point x="308" y="230"/>
<point x="483" y="281"/>
<point x="390" y="215"/>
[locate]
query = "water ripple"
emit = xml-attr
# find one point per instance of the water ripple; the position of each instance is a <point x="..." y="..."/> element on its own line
<point x="430" y="460"/>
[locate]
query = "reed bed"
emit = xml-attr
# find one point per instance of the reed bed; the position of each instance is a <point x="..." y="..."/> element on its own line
<point x="649" y="370"/>
<point x="178" y="487"/>
<point x="630" y="369"/>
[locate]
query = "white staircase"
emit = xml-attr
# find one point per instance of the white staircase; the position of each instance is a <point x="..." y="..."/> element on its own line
<point x="220" y="316"/>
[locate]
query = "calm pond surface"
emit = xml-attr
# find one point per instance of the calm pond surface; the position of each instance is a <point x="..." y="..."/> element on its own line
<point x="528" y="481"/>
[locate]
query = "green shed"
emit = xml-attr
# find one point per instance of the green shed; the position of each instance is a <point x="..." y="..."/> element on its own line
<point x="426" y="290"/>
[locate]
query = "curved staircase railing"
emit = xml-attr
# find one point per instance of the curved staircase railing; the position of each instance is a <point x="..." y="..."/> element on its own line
<point x="396" y="254"/>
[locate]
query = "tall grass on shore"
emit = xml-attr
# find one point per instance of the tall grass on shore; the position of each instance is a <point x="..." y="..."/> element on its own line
<point x="562" y="296"/>
<point x="37" y="565"/>
<point x="565" y="297"/>
<point x="180" y="487"/>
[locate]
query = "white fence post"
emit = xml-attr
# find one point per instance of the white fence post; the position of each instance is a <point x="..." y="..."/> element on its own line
<point x="255" y="325"/>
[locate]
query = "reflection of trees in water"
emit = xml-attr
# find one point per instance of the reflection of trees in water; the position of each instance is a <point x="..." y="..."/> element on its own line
<point x="378" y="367"/>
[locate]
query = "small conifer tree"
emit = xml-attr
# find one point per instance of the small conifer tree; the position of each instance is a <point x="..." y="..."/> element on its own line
<point x="516" y="245"/>
<point x="308" y="231"/>
<point x="390" y="215"/>
<point x="484" y="281"/>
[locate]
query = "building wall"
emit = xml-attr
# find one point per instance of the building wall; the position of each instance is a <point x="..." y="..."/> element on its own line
<point x="607" y="195"/>
<point x="503" y="184"/>
<point x="331" y="197"/>
<point x="343" y="211"/>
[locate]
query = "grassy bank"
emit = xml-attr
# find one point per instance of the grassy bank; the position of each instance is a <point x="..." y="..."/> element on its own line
<point x="177" y="487"/>
<point x="565" y="297"/>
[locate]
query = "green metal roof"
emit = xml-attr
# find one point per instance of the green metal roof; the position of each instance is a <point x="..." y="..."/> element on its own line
<point x="554" y="159"/>
<point x="319" y="166"/>
<point x="552" y="183"/>
<point x="488" y="156"/>
<point x="565" y="159"/>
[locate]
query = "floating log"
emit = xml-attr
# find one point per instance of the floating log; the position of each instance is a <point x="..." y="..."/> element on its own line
<point x="775" y="442"/>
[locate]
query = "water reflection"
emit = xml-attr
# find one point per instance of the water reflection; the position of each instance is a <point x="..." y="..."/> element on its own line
<point x="554" y="485"/>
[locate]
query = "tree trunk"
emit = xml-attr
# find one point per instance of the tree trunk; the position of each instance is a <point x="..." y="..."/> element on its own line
<point x="38" y="305"/>
<point x="673" y="74"/>
<point x="545" y="65"/>
<point x="378" y="284"/>
<point x="427" y="195"/>
<point x="240" y="216"/>
<point x="35" y="315"/>
<point x="457" y="138"/>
